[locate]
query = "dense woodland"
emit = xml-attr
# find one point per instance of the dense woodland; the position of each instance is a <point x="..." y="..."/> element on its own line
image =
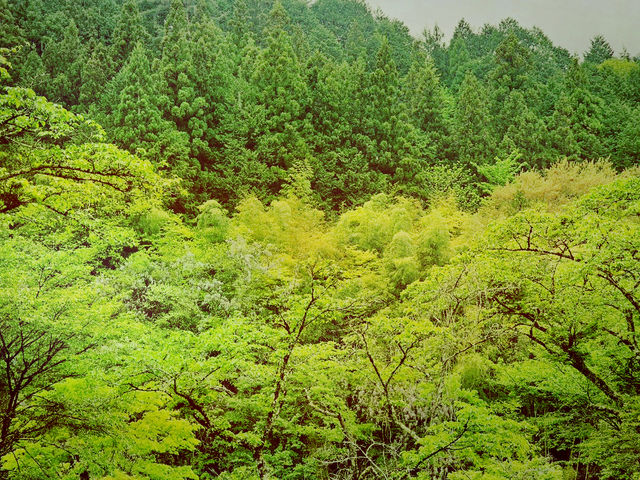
<point x="247" y="239"/>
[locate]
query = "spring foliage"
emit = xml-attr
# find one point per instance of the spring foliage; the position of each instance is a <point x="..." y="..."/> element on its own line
<point x="303" y="245"/>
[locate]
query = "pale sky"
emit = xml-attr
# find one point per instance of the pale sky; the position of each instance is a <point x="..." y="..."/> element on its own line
<point x="568" y="23"/>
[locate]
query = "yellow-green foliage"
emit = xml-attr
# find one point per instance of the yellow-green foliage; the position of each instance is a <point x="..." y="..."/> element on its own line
<point x="619" y="66"/>
<point x="473" y="371"/>
<point x="213" y="221"/>
<point x="373" y="225"/>
<point x="400" y="260"/>
<point x="553" y="188"/>
<point x="409" y="239"/>
<point x="289" y="225"/>
<point x="441" y="232"/>
<point x="152" y="222"/>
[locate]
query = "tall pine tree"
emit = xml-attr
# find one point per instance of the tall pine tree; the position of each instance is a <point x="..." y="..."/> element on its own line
<point x="472" y="135"/>
<point x="128" y="32"/>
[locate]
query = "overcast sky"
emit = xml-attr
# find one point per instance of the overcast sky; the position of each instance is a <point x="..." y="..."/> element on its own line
<point x="568" y="23"/>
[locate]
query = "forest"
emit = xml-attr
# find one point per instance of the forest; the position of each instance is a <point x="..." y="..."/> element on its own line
<point x="283" y="239"/>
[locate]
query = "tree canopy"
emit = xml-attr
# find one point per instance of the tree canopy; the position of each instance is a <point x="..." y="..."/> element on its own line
<point x="283" y="240"/>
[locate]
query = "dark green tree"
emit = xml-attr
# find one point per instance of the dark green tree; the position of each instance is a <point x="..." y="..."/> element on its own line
<point x="462" y="31"/>
<point x="587" y="119"/>
<point x="182" y="103"/>
<point x="383" y="133"/>
<point x="282" y="95"/>
<point x="459" y="63"/>
<point x="425" y="99"/>
<point x="524" y="133"/>
<point x="96" y="72"/>
<point x="628" y="141"/>
<point x="473" y="137"/>
<point x="562" y="142"/>
<point x="212" y="59"/>
<point x="512" y="65"/>
<point x="32" y="72"/>
<point x="240" y="23"/>
<point x="435" y="48"/>
<point x="63" y="60"/>
<point x="128" y="32"/>
<point x="599" y="50"/>
<point x="342" y="176"/>
<point x="137" y="123"/>
<point x="11" y="34"/>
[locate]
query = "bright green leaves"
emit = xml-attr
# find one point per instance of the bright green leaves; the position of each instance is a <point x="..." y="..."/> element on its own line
<point x="101" y="171"/>
<point x="74" y="209"/>
<point x="500" y="173"/>
<point x="131" y="435"/>
<point x="568" y="284"/>
<point x="51" y="162"/>
<point x="23" y="114"/>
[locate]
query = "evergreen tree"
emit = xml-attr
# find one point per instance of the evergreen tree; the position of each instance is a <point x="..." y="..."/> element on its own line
<point x="628" y="141"/>
<point x="511" y="87"/>
<point x="525" y="133"/>
<point x="96" y="72"/>
<point x="587" y="118"/>
<point x="355" y="44"/>
<point x="472" y="135"/>
<point x="183" y="105"/>
<point x="137" y="122"/>
<point x="128" y="32"/>
<point x="425" y="99"/>
<point x="176" y="62"/>
<point x="599" y="50"/>
<point x="63" y="60"/>
<point x="459" y="63"/>
<point x="633" y="83"/>
<point x="11" y="34"/>
<point x="212" y="57"/>
<point x="282" y="95"/>
<point x="32" y="73"/>
<point x="265" y="126"/>
<point x="462" y="32"/>
<point x="562" y="142"/>
<point x="400" y="42"/>
<point x="240" y="23"/>
<point x="435" y="48"/>
<point x="342" y="176"/>
<point x="383" y="133"/>
<point x="278" y="20"/>
<point x="512" y="65"/>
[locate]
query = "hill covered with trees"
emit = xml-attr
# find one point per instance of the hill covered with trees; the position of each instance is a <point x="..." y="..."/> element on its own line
<point x="286" y="240"/>
<point x="230" y="96"/>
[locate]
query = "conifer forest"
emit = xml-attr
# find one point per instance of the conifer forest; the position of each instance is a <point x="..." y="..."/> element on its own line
<point x="288" y="240"/>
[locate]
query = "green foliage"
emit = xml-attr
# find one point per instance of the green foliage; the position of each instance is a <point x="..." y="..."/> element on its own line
<point x="281" y="275"/>
<point x="213" y="221"/>
<point x="239" y="94"/>
<point x="552" y="189"/>
<point x="511" y="64"/>
<point x="472" y="136"/>
<point x="127" y="34"/>
<point x="63" y="60"/>
<point x="599" y="50"/>
<point x="499" y="173"/>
